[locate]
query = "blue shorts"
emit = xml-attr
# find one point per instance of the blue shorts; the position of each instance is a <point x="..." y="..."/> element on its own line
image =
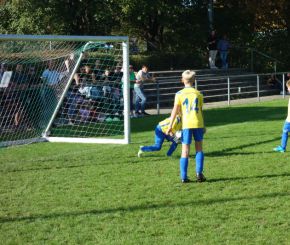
<point x="187" y="134"/>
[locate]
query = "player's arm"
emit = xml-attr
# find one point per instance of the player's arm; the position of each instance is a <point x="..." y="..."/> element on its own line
<point x="202" y="114"/>
<point x="175" y="111"/>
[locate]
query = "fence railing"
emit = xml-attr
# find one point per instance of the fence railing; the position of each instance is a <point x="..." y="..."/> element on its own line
<point x="219" y="88"/>
<point x="253" y="60"/>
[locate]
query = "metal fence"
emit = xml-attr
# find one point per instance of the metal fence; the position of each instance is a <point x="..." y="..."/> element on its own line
<point x="214" y="88"/>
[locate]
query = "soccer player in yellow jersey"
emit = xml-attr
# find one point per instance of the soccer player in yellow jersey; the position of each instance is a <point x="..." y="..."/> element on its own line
<point x="188" y="102"/>
<point x="286" y="127"/>
<point x="160" y="136"/>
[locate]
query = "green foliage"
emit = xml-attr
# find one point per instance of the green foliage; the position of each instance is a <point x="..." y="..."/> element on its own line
<point x="57" y="17"/>
<point x="167" y="61"/>
<point x="175" y="26"/>
<point x="85" y="194"/>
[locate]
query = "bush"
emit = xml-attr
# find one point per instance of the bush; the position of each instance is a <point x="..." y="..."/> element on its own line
<point x="169" y="61"/>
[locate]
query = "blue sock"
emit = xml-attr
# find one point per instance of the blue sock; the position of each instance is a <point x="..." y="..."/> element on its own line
<point x="284" y="140"/>
<point x="199" y="162"/>
<point x="171" y="149"/>
<point x="183" y="167"/>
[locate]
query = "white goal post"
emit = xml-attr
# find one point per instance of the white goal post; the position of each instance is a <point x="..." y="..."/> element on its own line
<point x="64" y="89"/>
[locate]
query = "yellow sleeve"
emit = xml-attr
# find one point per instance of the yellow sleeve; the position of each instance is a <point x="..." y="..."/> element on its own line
<point x="177" y="100"/>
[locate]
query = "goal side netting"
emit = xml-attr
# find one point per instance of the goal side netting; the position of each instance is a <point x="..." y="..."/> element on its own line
<point x="63" y="89"/>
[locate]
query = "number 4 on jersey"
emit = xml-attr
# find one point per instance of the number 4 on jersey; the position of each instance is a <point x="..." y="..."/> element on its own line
<point x="192" y="107"/>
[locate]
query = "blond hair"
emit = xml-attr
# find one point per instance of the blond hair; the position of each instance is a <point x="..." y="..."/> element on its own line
<point x="188" y="76"/>
<point x="288" y="83"/>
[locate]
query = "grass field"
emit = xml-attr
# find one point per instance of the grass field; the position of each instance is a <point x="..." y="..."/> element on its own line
<point x="103" y="194"/>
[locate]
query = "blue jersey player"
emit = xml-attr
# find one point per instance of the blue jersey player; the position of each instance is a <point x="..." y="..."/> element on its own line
<point x="160" y="136"/>
<point x="189" y="102"/>
<point x="286" y="127"/>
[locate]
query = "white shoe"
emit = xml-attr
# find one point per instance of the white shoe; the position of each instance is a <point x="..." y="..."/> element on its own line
<point x="140" y="152"/>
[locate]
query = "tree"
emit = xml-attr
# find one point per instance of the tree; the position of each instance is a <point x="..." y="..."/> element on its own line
<point x="78" y="17"/>
<point x="162" y="24"/>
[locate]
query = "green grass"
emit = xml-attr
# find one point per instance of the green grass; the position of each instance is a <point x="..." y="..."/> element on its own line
<point x="103" y="194"/>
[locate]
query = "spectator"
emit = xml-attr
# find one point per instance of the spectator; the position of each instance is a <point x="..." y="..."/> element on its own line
<point x="274" y="83"/>
<point x="51" y="76"/>
<point x="97" y="70"/>
<point x="117" y="75"/>
<point x="84" y="113"/>
<point x="3" y="68"/>
<point x="140" y="98"/>
<point x="107" y="85"/>
<point x="5" y="76"/>
<point x="223" y="48"/>
<point x="18" y="76"/>
<point x="116" y="92"/>
<point x="88" y="76"/>
<point x="288" y="75"/>
<point x="132" y="80"/>
<point x="70" y="62"/>
<point x="74" y="99"/>
<point x="21" y="96"/>
<point x="212" y="47"/>
<point x="31" y="76"/>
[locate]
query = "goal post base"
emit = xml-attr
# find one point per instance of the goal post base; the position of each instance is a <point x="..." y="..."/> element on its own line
<point x="87" y="140"/>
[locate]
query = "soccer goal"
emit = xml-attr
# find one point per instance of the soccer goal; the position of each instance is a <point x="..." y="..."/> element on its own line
<point x="64" y="89"/>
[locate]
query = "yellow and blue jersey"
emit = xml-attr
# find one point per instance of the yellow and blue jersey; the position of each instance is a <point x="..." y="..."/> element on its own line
<point x="191" y="101"/>
<point x="176" y="126"/>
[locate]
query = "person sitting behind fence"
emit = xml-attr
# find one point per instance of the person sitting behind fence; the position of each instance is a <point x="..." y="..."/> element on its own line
<point x="160" y="136"/>
<point x="51" y="75"/>
<point x="274" y="83"/>
<point x="73" y="102"/>
<point x="107" y="84"/>
<point x="19" y="77"/>
<point x="21" y="97"/>
<point x="89" y="76"/>
<point x="84" y="112"/>
<point x="116" y="79"/>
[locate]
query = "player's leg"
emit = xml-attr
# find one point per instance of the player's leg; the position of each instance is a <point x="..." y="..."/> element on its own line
<point x="199" y="157"/>
<point x="159" y="139"/>
<point x="172" y="148"/>
<point x="137" y="100"/>
<point x="183" y="163"/>
<point x="143" y="101"/>
<point x="284" y="138"/>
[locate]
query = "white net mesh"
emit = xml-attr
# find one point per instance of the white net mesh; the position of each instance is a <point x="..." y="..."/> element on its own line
<point x="60" y="89"/>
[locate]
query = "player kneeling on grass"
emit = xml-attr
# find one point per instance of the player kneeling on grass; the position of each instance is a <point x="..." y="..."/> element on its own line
<point x="160" y="136"/>
<point x="188" y="102"/>
<point x="286" y="127"/>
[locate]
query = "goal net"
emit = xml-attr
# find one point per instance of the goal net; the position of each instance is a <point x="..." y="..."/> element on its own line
<point x="63" y="89"/>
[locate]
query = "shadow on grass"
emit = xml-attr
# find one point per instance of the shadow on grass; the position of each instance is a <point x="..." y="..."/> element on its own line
<point x="226" y="151"/>
<point x="248" y="177"/>
<point x="32" y="218"/>
<point x="220" y="116"/>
